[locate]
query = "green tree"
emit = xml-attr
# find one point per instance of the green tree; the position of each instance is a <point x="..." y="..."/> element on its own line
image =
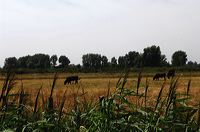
<point x="10" y="63"/>
<point x="92" y="61"/>
<point x="64" y="61"/>
<point x="113" y="62"/>
<point x="164" y="61"/>
<point x="122" y="61"/>
<point x="38" y="61"/>
<point x="133" y="59"/>
<point x="152" y="56"/>
<point x="104" y="62"/>
<point x="191" y="63"/>
<point x="179" y="58"/>
<point x="86" y="60"/>
<point x="53" y="60"/>
<point x="22" y="61"/>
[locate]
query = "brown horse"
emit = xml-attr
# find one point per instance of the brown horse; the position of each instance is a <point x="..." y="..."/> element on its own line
<point x="159" y="75"/>
<point x="171" y="73"/>
<point x="71" y="79"/>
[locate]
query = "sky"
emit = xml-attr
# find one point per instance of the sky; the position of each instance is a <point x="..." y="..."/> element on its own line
<point x="108" y="27"/>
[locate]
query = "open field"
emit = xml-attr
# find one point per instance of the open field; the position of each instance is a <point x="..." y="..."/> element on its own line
<point x="100" y="102"/>
<point x="95" y="85"/>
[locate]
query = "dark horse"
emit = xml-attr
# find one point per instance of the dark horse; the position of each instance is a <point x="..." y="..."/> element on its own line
<point x="70" y="79"/>
<point x="159" y="75"/>
<point x="171" y="73"/>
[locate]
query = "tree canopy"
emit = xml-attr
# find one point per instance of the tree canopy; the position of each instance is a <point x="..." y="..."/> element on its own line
<point x="151" y="57"/>
<point x="10" y="63"/>
<point x="179" y="58"/>
<point x="133" y="59"/>
<point x="92" y="61"/>
<point x="64" y="61"/>
<point x="53" y="60"/>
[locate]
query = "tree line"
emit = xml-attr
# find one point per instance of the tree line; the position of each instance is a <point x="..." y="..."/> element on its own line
<point x="151" y="57"/>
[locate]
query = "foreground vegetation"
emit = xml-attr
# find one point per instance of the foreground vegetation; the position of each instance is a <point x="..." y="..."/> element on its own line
<point x="121" y="109"/>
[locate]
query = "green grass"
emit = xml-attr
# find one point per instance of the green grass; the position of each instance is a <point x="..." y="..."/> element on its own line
<point x="125" y="109"/>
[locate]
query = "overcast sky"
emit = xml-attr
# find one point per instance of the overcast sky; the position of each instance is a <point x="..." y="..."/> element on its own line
<point x="107" y="27"/>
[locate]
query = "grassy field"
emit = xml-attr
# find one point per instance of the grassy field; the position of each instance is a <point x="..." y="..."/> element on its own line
<point x="41" y="102"/>
<point x="96" y="85"/>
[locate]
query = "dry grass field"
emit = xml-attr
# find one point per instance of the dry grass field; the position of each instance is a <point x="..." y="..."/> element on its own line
<point x="95" y="85"/>
<point x="100" y="102"/>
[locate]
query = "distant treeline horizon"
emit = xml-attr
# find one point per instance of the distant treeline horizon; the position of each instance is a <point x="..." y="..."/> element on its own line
<point x="94" y="62"/>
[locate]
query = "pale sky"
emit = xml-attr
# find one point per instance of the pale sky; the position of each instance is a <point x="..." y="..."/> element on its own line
<point x="107" y="27"/>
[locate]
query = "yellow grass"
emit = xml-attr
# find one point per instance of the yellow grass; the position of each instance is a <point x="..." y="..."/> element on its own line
<point x="95" y="85"/>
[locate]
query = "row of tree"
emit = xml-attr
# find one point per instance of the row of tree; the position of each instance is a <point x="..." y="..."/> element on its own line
<point x="151" y="57"/>
<point x="37" y="61"/>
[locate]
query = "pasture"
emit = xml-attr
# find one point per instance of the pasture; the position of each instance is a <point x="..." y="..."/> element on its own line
<point x="95" y="85"/>
<point x="101" y="102"/>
